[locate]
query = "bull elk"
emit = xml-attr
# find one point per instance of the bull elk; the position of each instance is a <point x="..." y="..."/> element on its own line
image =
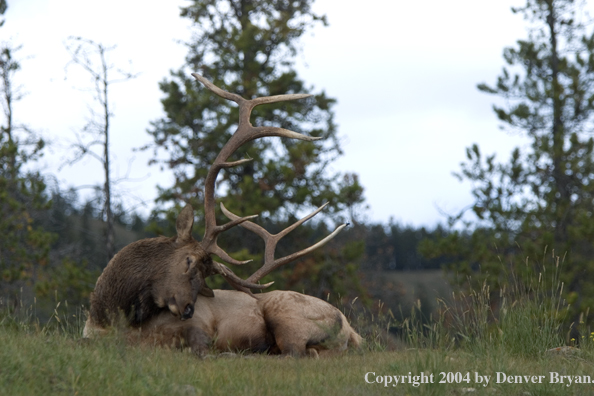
<point x="277" y="322"/>
<point x="152" y="276"/>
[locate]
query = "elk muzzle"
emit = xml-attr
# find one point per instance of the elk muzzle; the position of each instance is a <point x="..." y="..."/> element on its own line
<point x="182" y="312"/>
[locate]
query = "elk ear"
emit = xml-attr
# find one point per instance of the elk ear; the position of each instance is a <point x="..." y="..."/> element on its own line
<point x="206" y="292"/>
<point x="184" y="224"/>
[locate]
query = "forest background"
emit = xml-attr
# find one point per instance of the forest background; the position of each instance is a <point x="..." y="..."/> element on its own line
<point x="524" y="213"/>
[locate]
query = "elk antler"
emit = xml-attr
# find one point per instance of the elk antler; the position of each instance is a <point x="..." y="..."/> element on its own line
<point x="245" y="132"/>
<point x="270" y="241"/>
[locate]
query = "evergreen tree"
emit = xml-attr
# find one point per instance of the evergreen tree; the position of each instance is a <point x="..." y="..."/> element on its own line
<point x="248" y="47"/>
<point x="34" y="257"/>
<point x="24" y="245"/>
<point x="543" y="198"/>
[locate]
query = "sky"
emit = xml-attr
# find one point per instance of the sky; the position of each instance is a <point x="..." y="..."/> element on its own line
<point x="404" y="74"/>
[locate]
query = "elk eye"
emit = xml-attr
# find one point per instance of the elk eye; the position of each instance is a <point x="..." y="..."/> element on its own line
<point x="189" y="261"/>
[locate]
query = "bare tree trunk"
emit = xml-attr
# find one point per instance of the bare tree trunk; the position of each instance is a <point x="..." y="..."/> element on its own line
<point x="84" y="52"/>
<point x="109" y="233"/>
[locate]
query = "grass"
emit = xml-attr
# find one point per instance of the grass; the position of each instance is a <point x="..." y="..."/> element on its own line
<point x="468" y="339"/>
<point x="54" y="364"/>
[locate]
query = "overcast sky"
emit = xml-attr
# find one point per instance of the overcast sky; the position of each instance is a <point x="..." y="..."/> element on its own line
<point x="404" y="74"/>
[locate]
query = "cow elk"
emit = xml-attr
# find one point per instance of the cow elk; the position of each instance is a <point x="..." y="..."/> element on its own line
<point x="277" y="322"/>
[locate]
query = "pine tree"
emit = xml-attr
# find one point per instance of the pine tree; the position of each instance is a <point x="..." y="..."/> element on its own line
<point x="248" y="47"/>
<point x="24" y="245"/>
<point x="542" y="200"/>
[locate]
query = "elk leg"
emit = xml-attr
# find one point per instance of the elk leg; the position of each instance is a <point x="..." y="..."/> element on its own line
<point x="197" y="340"/>
<point x="312" y="353"/>
<point x="291" y="346"/>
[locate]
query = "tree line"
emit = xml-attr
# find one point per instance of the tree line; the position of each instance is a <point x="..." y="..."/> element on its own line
<point x="531" y="211"/>
<point x="57" y="243"/>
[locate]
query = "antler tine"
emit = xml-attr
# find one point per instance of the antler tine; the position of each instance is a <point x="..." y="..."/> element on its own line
<point x="238" y="99"/>
<point x="280" y="132"/>
<point x="222" y="93"/>
<point x="236" y="281"/>
<point x="262" y="272"/>
<point x="270" y="242"/>
<point x="278" y="98"/>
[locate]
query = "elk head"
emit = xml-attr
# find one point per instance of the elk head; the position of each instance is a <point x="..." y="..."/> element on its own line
<point x="187" y="267"/>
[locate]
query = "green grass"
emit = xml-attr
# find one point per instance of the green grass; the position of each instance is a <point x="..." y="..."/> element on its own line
<point x="54" y="363"/>
<point x="467" y="335"/>
<point x="52" y="359"/>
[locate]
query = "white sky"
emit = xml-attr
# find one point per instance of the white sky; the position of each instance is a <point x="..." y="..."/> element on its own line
<point x="404" y="74"/>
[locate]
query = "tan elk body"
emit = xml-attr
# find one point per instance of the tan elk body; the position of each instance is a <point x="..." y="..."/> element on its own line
<point x="277" y="322"/>
<point x="152" y="279"/>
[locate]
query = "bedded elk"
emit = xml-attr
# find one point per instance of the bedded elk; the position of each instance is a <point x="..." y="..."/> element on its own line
<point x="282" y="322"/>
<point x="278" y="322"/>
<point x="161" y="274"/>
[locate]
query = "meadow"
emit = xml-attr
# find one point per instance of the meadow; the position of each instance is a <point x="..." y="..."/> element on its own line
<point x="468" y="347"/>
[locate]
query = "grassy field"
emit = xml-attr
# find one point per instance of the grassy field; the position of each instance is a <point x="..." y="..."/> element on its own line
<point x="466" y="349"/>
<point x="38" y="363"/>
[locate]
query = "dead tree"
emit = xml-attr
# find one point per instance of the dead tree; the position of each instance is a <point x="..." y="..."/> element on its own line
<point x="92" y="57"/>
